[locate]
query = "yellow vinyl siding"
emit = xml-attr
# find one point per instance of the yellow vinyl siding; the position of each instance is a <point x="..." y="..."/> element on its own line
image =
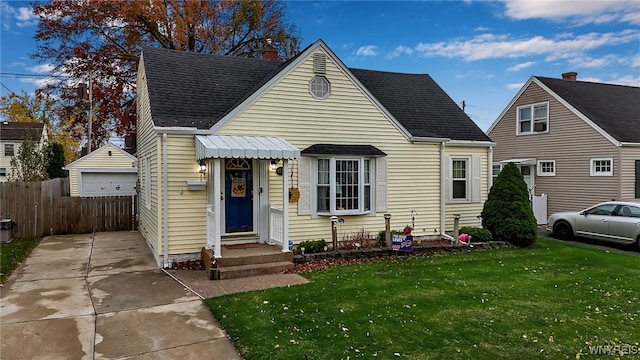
<point x="345" y="117"/>
<point x="186" y="208"/>
<point x="99" y="159"/>
<point x="468" y="211"/>
<point x="570" y="142"/>
<point x="149" y="147"/>
<point x="5" y="161"/>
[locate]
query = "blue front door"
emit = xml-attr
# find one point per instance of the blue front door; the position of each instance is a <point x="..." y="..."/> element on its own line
<point x="238" y="179"/>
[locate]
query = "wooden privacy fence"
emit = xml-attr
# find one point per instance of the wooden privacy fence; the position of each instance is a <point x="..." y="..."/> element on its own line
<point x="44" y="208"/>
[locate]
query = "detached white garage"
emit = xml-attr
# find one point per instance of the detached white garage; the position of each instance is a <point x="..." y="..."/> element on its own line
<point x="107" y="171"/>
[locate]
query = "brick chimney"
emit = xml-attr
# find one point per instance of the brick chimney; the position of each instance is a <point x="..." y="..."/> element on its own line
<point x="269" y="52"/>
<point x="570" y="76"/>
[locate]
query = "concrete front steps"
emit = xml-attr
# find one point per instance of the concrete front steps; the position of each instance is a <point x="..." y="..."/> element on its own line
<point x="239" y="263"/>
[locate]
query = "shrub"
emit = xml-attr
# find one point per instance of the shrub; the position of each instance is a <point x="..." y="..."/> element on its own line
<point x="507" y="213"/>
<point x="477" y="234"/>
<point x="312" y="246"/>
<point x="360" y="239"/>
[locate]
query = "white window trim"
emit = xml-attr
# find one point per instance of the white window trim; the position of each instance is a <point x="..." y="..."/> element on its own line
<point x="496" y="164"/>
<point x="592" y="167"/>
<point x="467" y="160"/>
<point x="532" y="106"/>
<point x="4" y="150"/>
<point x="332" y="184"/>
<point x="328" y="88"/>
<point x="540" y="171"/>
<point x="4" y="172"/>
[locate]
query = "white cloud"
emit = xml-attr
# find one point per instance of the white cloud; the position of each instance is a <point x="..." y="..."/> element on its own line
<point x="635" y="61"/>
<point x="23" y="16"/>
<point x="629" y="80"/>
<point x="369" y="50"/>
<point x="514" y="86"/>
<point x="577" y="12"/>
<point x="42" y="69"/>
<point x="589" y="62"/>
<point x="521" y="66"/>
<point x="481" y="28"/>
<point x="398" y="51"/>
<point x="492" y="46"/>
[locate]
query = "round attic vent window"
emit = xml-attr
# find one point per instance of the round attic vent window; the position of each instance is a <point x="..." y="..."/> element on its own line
<point x="319" y="87"/>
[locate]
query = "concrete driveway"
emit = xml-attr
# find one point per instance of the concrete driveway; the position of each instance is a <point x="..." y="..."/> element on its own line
<point x="101" y="296"/>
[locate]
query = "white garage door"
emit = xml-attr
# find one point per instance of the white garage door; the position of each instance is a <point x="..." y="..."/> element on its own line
<point x="108" y="184"/>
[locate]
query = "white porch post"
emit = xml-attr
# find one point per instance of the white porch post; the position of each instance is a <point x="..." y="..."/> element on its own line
<point x="216" y="207"/>
<point x="285" y="206"/>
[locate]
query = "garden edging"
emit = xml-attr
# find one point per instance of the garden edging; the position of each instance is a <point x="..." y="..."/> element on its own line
<point x="388" y="252"/>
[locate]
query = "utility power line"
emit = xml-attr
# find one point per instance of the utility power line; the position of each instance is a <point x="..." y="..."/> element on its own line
<point x="22" y="76"/>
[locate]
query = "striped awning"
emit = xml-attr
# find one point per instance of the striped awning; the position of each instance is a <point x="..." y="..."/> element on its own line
<point x="248" y="147"/>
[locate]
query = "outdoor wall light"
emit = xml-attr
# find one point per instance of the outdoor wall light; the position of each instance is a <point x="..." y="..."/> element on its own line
<point x="203" y="169"/>
<point x="274" y="164"/>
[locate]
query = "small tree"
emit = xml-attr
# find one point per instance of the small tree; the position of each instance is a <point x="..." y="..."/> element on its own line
<point x="55" y="161"/>
<point x="507" y="213"/>
<point x="29" y="164"/>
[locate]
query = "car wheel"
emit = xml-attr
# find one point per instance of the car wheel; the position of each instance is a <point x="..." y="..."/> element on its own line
<point x="562" y="230"/>
<point x="638" y="243"/>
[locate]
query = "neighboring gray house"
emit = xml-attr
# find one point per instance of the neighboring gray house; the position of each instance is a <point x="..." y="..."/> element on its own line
<point x="577" y="142"/>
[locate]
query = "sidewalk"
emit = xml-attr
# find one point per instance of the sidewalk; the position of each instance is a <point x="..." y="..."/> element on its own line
<point x="103" y="297"/>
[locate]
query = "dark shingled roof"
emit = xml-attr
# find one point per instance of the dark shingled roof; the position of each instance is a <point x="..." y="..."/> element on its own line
<point x="18" y="130"/>
<point x="333" y="149"/>
<point x="197" y="90"/>
<point x="614" y="108"/>
<point x="420" y="105"/>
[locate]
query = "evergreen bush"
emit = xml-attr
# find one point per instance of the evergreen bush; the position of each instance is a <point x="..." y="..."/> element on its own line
<point x="477" y="234"/>
<point x="507" y="213"/>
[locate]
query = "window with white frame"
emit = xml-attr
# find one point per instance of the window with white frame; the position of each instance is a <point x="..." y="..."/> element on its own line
<point x="496" y="169"/>
<point x="533" y="119"/>
<point x="463" y="178"/>
<point x="3" y="172"/>
<point x="147" y="182"/>
<point x="459" y="178"/>
<point x="343" y="185"/>
<point x="602" y="167"/>
<point x="9" y="150"/>
<point x="320" y="87"/>
<point x="546" y="168"/>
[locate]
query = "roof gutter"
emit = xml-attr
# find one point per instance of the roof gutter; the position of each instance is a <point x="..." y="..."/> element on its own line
<point x="629" y="144"/>
<point x="425" y="139"/>
<point x="471" y="143"/>
<point x="178" y="130"/>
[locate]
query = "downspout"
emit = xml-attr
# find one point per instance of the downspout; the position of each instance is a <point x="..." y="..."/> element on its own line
<point x="165" y="205"/>
<point x="490" y="160"/>
<point x="443" y="187"/>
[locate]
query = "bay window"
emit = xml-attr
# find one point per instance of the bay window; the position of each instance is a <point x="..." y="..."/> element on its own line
<point x="343" y="185"/>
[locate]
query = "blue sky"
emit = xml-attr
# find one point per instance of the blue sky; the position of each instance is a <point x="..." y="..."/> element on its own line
<point x="480" y="52"/>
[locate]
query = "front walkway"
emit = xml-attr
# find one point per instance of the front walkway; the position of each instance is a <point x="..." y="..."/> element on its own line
<point x="103" y="297"/>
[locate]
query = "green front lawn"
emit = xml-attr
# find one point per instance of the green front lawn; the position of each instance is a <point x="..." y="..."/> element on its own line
<point x="551" y="301"/>
<point x="13" y="254"/>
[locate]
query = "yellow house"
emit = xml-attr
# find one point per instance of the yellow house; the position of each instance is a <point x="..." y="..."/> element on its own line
<point x="12" y="134"/>
<point x="107" y="171"/>
<point x="236" y="150"/>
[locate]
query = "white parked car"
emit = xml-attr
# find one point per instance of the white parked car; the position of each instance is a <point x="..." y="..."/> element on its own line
<point x="614" y="221"/>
